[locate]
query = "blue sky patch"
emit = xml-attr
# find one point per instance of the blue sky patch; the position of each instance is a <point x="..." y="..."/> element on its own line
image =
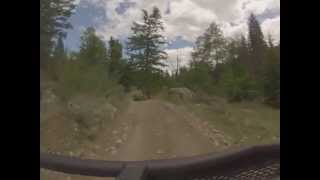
<point x="268" y="14"/>
<point x="86" y="15"/>
<point x="179" y="42"/>
<point x="124" y="6"/>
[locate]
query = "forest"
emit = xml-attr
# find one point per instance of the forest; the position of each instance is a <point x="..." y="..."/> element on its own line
<point x="242" y="68"/>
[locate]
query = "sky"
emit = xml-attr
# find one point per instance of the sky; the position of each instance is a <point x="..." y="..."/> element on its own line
<point x="184" y="20"/>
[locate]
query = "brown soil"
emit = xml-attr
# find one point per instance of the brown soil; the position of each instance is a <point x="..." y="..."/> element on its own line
<point x="150" y="129"/>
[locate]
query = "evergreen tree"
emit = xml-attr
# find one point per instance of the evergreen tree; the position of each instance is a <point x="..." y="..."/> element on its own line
<point x="115" y="56"/>
<point x="92" y="48"/>
<point x="209" y="52"/>
<point x="244" y="52"/>
<point x="257" y="47"/>
<point x="145" y="45"/>
<point x="145" y="50"/>
<point x="59" y="51"/>
<point x="233" y="76"/>
<point x="270" y="41"/>
<point x="126" y="78"/>
<point x="200" y="76"/>
<point x="272" y="74"/>
<point x="211" y="46"/>
<point x="54" y="16"/>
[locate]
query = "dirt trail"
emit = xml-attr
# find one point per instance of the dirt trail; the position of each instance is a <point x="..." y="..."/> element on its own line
<point x="160" y="131"/>
<point x="154" y="129"/>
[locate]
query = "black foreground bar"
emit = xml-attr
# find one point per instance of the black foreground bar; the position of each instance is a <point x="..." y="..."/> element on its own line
<point x="256" y="162"/>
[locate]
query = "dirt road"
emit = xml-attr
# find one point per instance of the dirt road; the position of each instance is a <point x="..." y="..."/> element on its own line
<point x="160" y="131"/>
<point x="151" y="129"/>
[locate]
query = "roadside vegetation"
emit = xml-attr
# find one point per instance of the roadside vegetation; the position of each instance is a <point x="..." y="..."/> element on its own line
<point x="85" y="89"/>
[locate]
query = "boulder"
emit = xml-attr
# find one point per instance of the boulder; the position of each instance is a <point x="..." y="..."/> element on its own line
<point x="138" y="95"/>
<point x="182" y="93"/>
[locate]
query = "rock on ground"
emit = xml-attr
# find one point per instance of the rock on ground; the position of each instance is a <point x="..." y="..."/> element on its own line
<point x="182" y="93"/>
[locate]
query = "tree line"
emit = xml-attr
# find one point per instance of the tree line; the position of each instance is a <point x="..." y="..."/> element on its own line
<point x="239" y="68"/>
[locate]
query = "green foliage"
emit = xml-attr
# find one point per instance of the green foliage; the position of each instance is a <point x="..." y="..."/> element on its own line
<point x="272" y="76"/>
<point x="115" y="61"/>
<point x="211" y="46"/>
<point x="59" y="57"/>
<point x="233" y="76"/>
<point x="92" y="48"/>
<point x="126" y="78"/>
<point x="238" y="68"/>
<point x="210" y="51"/>
<point x="149" y="83"/>
<point x="146" y="55"/>
<point x="59" y="51"/>
<point x="245" y="122"/>
<point x="197" y="77"/>
<point x="145" y="44"/>
<point x="257" y="47"/>
<point x="237" y="84"/>
<point x="76" y="77"/>
<point x="84" y="72"/>
<point x="54" y="15"/>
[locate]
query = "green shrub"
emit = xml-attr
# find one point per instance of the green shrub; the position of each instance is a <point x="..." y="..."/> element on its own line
<point x="238" y="86"/>
<point x="76" y="77"/>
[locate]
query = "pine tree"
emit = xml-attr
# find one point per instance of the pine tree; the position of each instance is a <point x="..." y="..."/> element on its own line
<point x="145" y="50"/>
<point x="244" y="52"/>
<point x="92" y="48"/>
<point x="211" y="46"/>
<point x="54" y="15"/>
<point x="233" y="75"/>
<point x="270" y="41"/>
<point x="209" y="52"/>
<point x="114" y="56"/>
<point x="145" y="45"/>
<point x="59" y="51"/>
<point x="257" y="47"/>
<point x="272" y="74"/>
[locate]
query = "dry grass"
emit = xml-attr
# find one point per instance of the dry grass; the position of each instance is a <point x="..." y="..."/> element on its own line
<point x="247" y="123"/>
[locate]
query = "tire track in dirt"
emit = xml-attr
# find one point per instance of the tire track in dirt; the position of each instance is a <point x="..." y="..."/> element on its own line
<point x="154" y="130"/>
<point x="160" y="132"/>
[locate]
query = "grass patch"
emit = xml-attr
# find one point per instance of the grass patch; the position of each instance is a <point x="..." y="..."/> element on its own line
<point x="246" y="123"/>
<point x="77" y="77"/>
<point x="87" y="100"/>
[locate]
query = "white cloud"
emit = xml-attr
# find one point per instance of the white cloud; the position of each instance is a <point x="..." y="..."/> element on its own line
<point x="272" y="26"/>
<point x="190" y="18"/>
<point x="241" y="11"/>
<point x="184" y="55"/>
<point x="77" y="1"/>
<point x="187" y="19"/>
